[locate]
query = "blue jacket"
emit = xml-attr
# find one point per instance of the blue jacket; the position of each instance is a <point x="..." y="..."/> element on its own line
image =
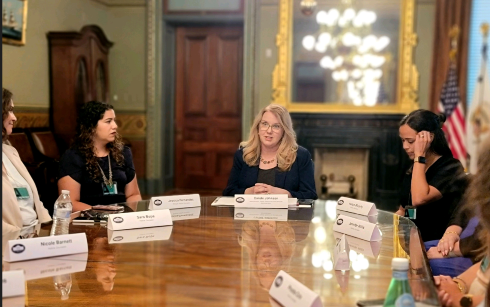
<point x="299" y="180"/>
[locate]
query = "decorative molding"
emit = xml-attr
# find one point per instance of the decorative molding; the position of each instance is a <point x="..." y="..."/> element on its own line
<point x="119" y="3"/>
<point x="151" y="171"/>
<point x="408" y="76"/>
<point x="32" y="119"/>
<point x="131" y="125"/>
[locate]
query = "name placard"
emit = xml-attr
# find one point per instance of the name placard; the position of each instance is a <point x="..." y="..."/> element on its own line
<point x="357" y="228"/>
<point x="185" y="213"/>
<point x="256" y="214"/>
<point x="141" y="219"/>
<point x="49" y="267"/>
<point x="139" y="235"/>
<point x="43" y="247"/>
<point x="341" y="254"/>
<point x="289" y="292"/>
<point x="356" y="206"/>
<point x="175" y="201"/>
<point x="261" y="201"/>
<point x="367" y="218"/>
<point x="13" y="283"/>
<point x="369" y="249"/>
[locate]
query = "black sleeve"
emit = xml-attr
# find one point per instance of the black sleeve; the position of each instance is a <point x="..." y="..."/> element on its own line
<point x="307" y="188"/>
<point x="448" y="177"/>
<point x="232" y="187"/>
<point x="128" y="164"/>
<point x="72" y="164"/>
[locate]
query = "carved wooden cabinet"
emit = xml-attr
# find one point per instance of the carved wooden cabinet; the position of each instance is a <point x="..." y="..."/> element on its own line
<point x="79" y="72"/>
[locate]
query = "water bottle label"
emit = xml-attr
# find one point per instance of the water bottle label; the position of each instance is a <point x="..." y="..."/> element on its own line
<point x="405" y="300"/>
<point x="400" y="275"/>
<point x="62" y="214"/>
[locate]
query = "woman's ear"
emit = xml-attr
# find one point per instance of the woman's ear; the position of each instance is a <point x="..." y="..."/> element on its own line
<point x="431" y="136"/>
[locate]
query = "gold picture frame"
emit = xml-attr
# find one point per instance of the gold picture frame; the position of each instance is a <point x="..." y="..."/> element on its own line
<point x="14" y="22"/>
<point x="408" y="76"/>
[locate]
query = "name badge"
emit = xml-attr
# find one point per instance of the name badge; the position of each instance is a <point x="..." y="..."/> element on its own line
<point x="255" y="214"/>
<point x="49" y="267"/>
<point x="357" y="228"/>
<point x="21" y="193"/>
<point x="139" y="235"/>
<point x="370" y="249"/>
<point x="261" y="201"/>
<point x="141" y="219"/>
<point x="289" y="292"/>
<point x="411" y="212"/>
<point x="356" y="206"/>
<point x="185" y="213"/>
<point x="108" y="189"/>
<point x="13" y="283"/>
<point x="341" y="254"/>
<point x="43" y="247"/>
<point x="175" y="201"/>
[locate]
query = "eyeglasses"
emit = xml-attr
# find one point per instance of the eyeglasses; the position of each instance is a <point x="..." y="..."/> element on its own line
<point x="264" y="126"/>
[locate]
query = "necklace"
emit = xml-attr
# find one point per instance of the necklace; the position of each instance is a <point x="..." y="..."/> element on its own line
<point x="267" y="162"/>
<point x="107" y="182"/>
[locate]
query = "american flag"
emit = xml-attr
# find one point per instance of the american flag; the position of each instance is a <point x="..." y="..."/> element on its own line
<point x="450" y="104"/>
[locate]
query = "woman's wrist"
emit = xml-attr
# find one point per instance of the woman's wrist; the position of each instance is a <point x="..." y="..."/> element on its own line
<point x="463" y="288"/>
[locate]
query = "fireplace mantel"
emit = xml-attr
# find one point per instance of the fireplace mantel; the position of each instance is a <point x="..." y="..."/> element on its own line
<point x="376" y="132"/>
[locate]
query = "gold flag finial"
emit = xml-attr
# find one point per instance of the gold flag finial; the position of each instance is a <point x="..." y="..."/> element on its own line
<point x="484" y="29"/>
<point x="453" y="36"/>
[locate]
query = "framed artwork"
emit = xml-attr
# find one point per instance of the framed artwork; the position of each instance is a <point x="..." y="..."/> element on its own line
<point x="14" y="19"/>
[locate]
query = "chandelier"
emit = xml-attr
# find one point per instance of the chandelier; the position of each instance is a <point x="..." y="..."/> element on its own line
<point x="351" y="51"/>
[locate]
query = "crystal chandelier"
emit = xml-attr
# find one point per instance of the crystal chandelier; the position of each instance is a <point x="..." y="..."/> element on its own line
<point x="352" y="52"/>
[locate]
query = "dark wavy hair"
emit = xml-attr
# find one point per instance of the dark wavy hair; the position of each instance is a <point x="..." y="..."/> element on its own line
<point x="424" y="120"/>
<point x="6" y="108"/>
<point x="88" y="118"/>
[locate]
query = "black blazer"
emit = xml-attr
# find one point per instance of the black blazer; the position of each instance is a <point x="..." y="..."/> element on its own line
<point x="299" y="180"/>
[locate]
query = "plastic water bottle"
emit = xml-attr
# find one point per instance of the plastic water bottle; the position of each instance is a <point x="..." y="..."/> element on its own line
<point x="62" y="284"/>
<point x="61" y="214"/>
<point x="399" y="293"/>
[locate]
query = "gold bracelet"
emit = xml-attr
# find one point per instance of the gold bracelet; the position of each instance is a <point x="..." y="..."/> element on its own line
<point x="448" y="232"/>
<point x="461" y="285"/>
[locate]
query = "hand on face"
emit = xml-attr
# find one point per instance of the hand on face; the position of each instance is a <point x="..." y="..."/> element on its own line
<point x="423" y="139"/>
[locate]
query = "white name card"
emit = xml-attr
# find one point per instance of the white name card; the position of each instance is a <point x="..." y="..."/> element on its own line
<point x="289" y="292"/>
<point x="261" y="201"/>
<point x="139" y="235"/>
<point x="43" y="247"/>
<point x="185" y="213"/>
<point x="357" y="228"/>
<point x="356" y="206"/>
<point x="175" y="201"/>
<point x="341" y="254"/>
<point x="369" y="249"/>
<point x="13" y="283"/>
<point x="49" y="267"/>
<point x="367" y="218"/>
<point x="140" y="219"/>
<point x="256" y="214"/>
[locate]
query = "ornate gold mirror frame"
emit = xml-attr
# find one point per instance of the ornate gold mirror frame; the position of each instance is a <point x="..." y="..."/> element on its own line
<point x="407" y="83"/>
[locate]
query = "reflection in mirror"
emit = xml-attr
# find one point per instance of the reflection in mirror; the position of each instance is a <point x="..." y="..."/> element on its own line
<point x="346" y="52"/>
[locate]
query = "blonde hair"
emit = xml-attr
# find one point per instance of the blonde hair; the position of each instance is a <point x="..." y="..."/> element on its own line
<point x="286" y="154"/>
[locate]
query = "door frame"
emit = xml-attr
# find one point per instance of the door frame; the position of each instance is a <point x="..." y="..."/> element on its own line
<point x="167" y="128"/>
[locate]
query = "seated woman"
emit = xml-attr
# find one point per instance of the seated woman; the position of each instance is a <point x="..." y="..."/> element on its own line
<point x="98" y="169"/>
<point x="21" y="208"/>
<point x="469" y="288"/>
<point x="271" y="162"/>
<point x="432" y="188"/>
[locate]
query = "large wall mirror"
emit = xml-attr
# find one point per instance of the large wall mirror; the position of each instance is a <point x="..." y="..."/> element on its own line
<point x="349" y="56"/>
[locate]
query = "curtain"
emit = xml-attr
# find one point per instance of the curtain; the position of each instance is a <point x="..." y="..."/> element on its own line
<point x="448" y="14"/>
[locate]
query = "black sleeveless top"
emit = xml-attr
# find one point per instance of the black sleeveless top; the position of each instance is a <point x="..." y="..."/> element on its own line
<point x="267" y="176"/>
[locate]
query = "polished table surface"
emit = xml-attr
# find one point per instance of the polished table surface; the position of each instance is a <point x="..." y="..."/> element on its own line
<point x="215" y="260"/>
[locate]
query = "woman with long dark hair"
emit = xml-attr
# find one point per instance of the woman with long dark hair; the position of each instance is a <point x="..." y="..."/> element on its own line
<point x="98" y="169"/>
<point x="433" y="187"/>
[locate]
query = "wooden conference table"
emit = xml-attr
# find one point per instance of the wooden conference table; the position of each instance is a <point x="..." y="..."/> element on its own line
<point x="215" y="260"/>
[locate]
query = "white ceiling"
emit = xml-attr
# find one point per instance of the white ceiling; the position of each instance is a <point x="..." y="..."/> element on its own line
<point x="122" y="2"/>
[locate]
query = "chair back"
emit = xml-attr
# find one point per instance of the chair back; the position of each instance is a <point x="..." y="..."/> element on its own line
<point x="20" y="141"/>
<point x="46" y="144"/>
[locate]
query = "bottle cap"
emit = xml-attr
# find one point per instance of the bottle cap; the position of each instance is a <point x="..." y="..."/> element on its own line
<point x="65" y="191"/>
<point x="399" y="264"/>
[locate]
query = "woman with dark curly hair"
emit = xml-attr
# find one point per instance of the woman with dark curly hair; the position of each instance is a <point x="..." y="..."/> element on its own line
<point x="434" y="185"/>
<point x="98" y="169"/>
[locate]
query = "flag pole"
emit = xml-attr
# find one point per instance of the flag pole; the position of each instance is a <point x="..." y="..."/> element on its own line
<point x="453" y="36"/>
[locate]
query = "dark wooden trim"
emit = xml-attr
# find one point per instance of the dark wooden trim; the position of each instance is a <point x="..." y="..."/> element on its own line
<point x="219" y="12"/>
<point x="63" y="38"/>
